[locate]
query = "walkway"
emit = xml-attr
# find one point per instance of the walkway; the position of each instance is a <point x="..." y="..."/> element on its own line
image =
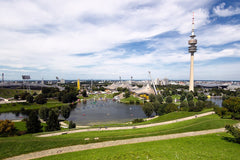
<point x="75" y="148"/>
<point x="127" y="127"/>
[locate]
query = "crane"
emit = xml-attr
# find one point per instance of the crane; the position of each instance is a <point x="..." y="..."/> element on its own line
<point x="154" y="87"/>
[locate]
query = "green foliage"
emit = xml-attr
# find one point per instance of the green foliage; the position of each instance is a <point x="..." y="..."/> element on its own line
<point x="138" y="120"/>
<point x="191" y="105"/>
<point x="7" y="128"/>
<point x="16" y="96"/>
<point x="71" y="125"/>
<point x="33" y="123"/>
<point x="84" y="93"/>
<point x="202" y="97"/>
<point x="231" y="106"/>
<point x="159" y="98"/>
<point x="24" y="95"/>
<point x="235" y="131"/>
<point x="156" y="106"/>
<point x="40" y="99"/>
<point x="184" y="106"/>
<point x="43" y="113"/>
<point x="52" y="122"/>
<point x="189" y="96"/>
<point x="151" y="97"/>
<point x="127" y="94"/>
<point x="182" y="98"/>
<point x="169" y="99"/>
<point x="148" y="109"/>
<point x="170" y="107"/>
<point x="29" y="98"/>
<point x="65" y="111"/>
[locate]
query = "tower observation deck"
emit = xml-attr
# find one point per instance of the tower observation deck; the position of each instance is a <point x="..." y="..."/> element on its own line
<point x="192" y="49"/>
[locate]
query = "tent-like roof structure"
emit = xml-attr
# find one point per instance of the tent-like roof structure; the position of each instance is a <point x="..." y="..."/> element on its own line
<point x="145" y="90"/>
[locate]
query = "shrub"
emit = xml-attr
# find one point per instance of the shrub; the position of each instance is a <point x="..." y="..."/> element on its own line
<point x="7" y="128"/>
<point x="71" y="125"/>
<point x="138" y="120"/>
<point x="235" y="131"/>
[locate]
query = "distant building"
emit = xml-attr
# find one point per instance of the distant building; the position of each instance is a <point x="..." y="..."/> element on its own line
<point x="62" y="81"/>
<point x="165" y="81"/>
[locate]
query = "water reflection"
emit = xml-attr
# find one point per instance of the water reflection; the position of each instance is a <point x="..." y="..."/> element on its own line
<point x="97" y="112"/>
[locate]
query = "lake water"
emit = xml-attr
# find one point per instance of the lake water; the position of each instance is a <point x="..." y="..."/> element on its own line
<point x="95" y="112"/>
<point x="216" y="100"/>
<point x="100" y="112"/>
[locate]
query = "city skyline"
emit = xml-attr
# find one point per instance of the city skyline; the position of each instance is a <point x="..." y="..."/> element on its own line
<point x="105" y="40"/>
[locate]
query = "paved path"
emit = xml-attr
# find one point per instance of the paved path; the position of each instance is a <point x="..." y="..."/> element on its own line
<point x="75" y="148"/>
<point x="127" y="127"/>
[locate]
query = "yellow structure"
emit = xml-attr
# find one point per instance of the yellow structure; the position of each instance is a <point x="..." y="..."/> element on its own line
<point x="78" y="84"/>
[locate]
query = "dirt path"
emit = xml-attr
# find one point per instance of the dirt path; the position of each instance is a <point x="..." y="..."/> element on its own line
<point x="75" y="148"/>
<point x="127" y="127"/>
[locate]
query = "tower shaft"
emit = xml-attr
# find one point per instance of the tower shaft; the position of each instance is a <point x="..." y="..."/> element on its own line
<point x="191" y="82"/>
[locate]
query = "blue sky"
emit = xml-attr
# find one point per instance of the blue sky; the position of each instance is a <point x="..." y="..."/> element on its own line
<point x="92" y="39"/>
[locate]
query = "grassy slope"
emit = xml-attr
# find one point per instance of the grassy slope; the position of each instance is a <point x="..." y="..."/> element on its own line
<point x="8" y="93"/>
<point x="131" y="98"/>
<point x="163" y="118"/>
<point x="29" y="143"/>
<point x="18" y="106"/>
<point x="212" y="147"/>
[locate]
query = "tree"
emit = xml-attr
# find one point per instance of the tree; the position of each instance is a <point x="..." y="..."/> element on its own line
<point x="159" y="98"/>
<point x="29" y="98"/>
<point x="23" y="95"/>
<point x="7" y="128"/>
<point x="156" y="106"/>
<point x="199" y="105"/>
<point x="43" y="113"/>
<point x="16" y="96"/>
<point x="148" y="109"/>
<point x="202" y="97"/>
<point x="127" y="94"/>
<point x="169" y="99"/>
<point x="84" y="93"/>
<point x="184" y="106"/>
<point x="52" y="122"/>
<point x="182" y="98"/>
<point x="40" y="99"/>
<point x="33" y="123"/>
<point x="151" y="98"/>
<point x="170" y="108"/>
<point x="189" y="96"/>
<point x="65" y="111"/>
<point x="191" y="105"/>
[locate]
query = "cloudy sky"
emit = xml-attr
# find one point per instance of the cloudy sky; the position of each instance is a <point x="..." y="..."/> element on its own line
<point x="93" y="39"/>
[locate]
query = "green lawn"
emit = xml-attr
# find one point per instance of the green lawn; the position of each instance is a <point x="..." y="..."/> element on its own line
<point x="17" y="106"/>
<point x="208" y="147"/>
<point x="131" y="98"/>
<point x="21" y="126"/>
<point x="8" y="93"/>
<point x="12" y="146"/>
<point x="163" y="118"/>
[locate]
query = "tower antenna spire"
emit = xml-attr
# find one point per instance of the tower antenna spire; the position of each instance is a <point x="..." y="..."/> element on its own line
<point x="193" y="24"/>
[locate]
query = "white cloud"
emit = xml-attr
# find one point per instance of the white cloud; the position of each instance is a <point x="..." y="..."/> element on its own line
<point x="221" y="11"/>
<point x="43" y="35"/>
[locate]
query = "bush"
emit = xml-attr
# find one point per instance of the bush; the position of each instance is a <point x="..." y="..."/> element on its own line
<point x="184" y="106"/>
<point x="235" y="131"/>
<point x="71" y="125"/>
<point x="170" y="108"/>
<point x="138" y="120"/>
<point x="7" y="128"/>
